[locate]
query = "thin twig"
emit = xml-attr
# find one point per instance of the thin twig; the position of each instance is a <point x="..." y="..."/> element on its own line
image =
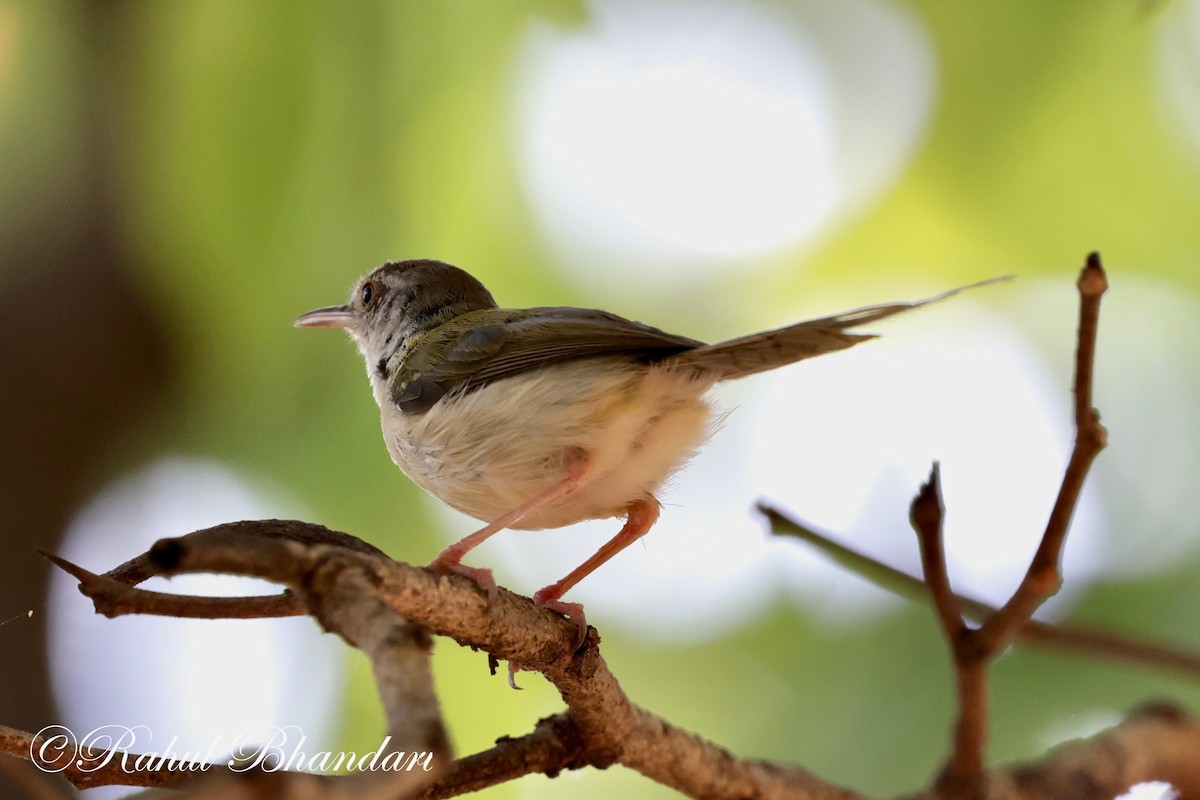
<point x="963" y="774"/>
<point x="1044" y="576"/>
<point x="114" y="598"/>
<point x="111" y="602"/>
<point x="925" y="515"/>
<point x="1069" y="638"/>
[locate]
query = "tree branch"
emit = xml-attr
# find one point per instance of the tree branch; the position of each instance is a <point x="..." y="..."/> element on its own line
<point x="556" y="744"/>
<point x="613" y="728"/>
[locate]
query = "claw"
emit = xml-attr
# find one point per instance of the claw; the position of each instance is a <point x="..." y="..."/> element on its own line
<point x="513" y="669"/>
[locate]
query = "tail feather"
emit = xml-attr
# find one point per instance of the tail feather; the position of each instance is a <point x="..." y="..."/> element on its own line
<point x="758" y="352"/>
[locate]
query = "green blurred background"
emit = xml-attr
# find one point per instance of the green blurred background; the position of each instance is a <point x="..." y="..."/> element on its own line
<point x="179" y="180"/>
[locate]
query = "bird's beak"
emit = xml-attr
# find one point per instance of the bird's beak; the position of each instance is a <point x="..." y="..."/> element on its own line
<point x="330" y="317"/>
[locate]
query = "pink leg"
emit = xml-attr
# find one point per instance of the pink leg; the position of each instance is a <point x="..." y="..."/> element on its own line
<point x="641" y="516"/>
<point x="448" y="560"/>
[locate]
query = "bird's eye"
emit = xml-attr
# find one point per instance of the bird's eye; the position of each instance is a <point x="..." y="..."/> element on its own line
<point x="368" y="293"/>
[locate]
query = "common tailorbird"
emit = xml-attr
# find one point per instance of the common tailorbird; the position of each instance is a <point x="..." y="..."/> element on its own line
<point x="536" y="418"/>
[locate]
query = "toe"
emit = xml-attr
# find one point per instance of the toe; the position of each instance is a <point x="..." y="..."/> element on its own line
<point x="480" y="575"/>
<point x="572" y="610"/>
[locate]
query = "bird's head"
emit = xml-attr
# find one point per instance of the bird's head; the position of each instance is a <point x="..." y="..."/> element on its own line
<point x="397" y="303"/>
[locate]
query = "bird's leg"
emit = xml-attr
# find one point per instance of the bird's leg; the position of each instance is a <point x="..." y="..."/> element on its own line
<point x="640" y="517"/>
<point x="449" y="559"/>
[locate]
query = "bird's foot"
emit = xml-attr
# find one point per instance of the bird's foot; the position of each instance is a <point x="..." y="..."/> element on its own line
<point x="546" y="598"/>
<point x="480" y="575"/>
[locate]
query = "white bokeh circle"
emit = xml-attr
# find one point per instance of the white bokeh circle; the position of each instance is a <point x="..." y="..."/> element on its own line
<point x="690" y="136"/>
<point x="202" y="683"/>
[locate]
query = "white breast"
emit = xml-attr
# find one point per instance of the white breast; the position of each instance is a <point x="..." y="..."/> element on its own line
<point x="488" y="451"/>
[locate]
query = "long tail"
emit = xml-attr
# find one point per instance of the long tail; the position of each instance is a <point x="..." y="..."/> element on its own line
<point x="759" y="352"/>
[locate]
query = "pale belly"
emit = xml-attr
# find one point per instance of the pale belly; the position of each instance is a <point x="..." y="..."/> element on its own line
<point x="487" y="452"/>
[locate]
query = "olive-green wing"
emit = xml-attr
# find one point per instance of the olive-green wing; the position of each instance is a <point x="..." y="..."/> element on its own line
<point x="480" y="347"/>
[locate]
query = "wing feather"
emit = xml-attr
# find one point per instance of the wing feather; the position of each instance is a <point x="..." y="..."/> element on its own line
<point x="759" y="352"/>
<point x="492" y="344"/>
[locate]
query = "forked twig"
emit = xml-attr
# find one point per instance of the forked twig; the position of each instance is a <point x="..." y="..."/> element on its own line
<point x="973" y="649"/>
<point x="1064" y="637"/>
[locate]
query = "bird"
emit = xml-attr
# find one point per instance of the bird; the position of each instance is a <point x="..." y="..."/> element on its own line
<point x="536" y="418"/>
